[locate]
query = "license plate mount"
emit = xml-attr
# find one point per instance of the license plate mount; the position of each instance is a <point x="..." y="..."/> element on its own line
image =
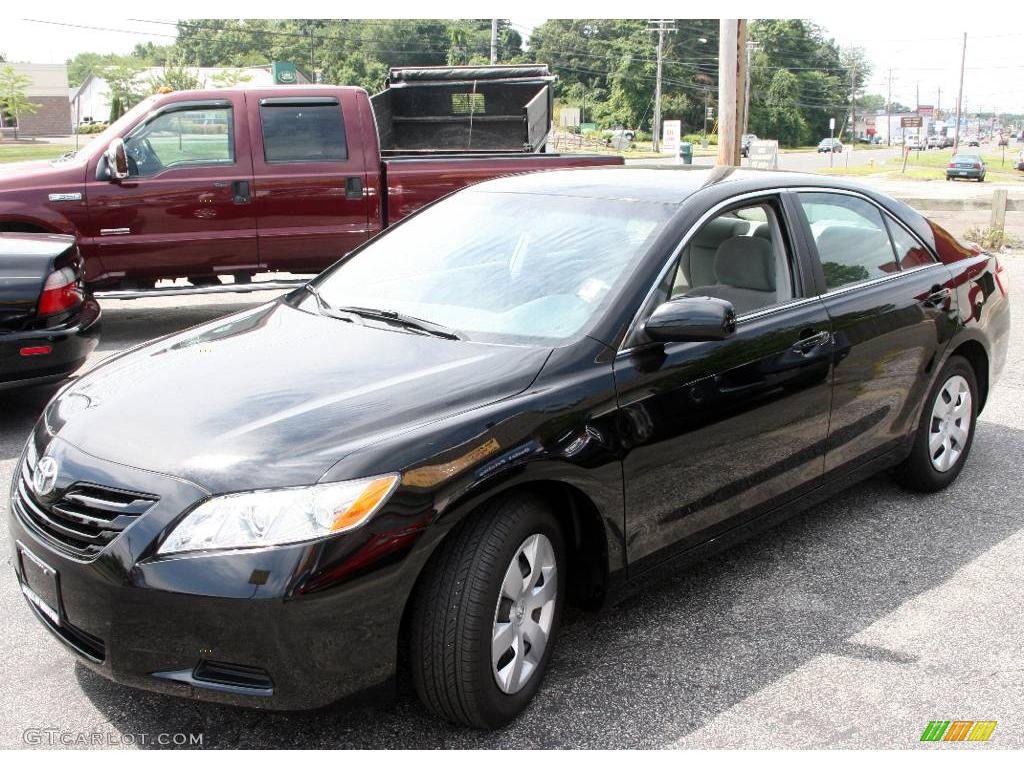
<point x="39" y="584"/>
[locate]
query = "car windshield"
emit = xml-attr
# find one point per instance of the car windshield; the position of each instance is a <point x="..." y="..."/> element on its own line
<point x="505" y="267"/>
<point x="966" y="159"/>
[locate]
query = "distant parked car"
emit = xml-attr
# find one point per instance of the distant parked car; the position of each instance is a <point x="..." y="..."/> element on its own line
<point x="933" y="142"/>
<point x="1020" y="160"/>
<point x="914" y="143"/>
<point x="48" y="326"/>
<point x="830" y="145"/>
<point x="745" y="143"/>
<point x="966" y="167"/>
<point x="973" y="142"/>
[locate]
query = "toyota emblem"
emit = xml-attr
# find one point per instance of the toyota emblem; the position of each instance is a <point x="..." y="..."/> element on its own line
<point x="45" y="477"/>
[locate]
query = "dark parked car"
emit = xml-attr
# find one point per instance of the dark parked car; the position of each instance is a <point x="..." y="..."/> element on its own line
<point x="47" y="325"/>
<point x="830" y="145"/>
<point x="542" y="390"/>
<point x="965" y="166"/>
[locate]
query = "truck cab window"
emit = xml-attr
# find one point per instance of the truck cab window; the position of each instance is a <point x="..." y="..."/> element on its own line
<point x="184" y="137"/>
<point x="303" y="133"/>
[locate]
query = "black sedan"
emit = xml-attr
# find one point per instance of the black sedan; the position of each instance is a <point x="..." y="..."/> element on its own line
<point x="543" y="390"/>
<point x="47" y="325"/>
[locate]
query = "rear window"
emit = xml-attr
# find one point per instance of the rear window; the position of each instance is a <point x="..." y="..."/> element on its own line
<point x="303" y="133"/>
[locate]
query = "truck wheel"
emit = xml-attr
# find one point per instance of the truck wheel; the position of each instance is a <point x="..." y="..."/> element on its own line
<point x="945" y="432"/>
<point x="486" y="612"/>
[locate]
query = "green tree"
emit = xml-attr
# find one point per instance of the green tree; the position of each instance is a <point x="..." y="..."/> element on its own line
<point x="229" y="78"/>
<point x="784" y="119"/>
<point x="13" y="99"/>
<point x="123" y="81"/>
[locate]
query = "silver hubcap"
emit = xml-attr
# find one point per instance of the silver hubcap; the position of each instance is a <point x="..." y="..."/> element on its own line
<point x="522" y="619"/>
<point x="950" y="424"/>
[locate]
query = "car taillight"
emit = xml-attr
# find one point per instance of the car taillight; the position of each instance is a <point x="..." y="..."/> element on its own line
<point x="952" y="165"/>
<point x="977" y="166"/>
<point x="61" y="292"/>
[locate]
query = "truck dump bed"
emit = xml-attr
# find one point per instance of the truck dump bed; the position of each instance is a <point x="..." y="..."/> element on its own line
<point x="449" y="110"/>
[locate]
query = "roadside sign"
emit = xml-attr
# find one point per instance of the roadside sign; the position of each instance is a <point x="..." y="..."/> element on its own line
<point x="764" y="153"/>
<point x="926" y="110"/>
<point x="569" y="117"/>
<point x="914" y="121"/>
<point x="831" y="123"/>
<point x="670" y="133"/>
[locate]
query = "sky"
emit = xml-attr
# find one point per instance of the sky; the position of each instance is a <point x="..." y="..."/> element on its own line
<point x="923" y="53"/>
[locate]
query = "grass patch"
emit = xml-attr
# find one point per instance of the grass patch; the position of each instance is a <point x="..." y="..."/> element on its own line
<point x="16" y="153"/>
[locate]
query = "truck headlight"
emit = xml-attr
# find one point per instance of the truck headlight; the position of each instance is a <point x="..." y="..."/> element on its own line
<point x="283" y="516"/>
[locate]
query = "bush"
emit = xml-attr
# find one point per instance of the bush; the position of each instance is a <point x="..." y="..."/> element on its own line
<point x="992" y="238"/>
<point x="697" y="138"/>
<point x="91" y="128"/>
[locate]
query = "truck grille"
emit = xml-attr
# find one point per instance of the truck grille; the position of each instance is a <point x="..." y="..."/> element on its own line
<point x="84" y="520"/>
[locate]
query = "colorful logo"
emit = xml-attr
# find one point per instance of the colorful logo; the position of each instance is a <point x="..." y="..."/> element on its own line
<point x="958" y="730"/>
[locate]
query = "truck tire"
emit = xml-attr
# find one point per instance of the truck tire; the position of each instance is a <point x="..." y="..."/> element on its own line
<point x="945" y="432"/>
<point x="492" y="593"/>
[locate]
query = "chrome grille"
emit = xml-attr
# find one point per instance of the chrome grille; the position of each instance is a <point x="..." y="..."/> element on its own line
<point x="84" y="519"/>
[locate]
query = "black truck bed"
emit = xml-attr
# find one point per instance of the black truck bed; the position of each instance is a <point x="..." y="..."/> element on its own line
<point x="443" y="110"/>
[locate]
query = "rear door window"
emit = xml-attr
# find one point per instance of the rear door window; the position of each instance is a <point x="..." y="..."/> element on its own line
<point x="851" y="239"/>
<point x="303" y="133"/>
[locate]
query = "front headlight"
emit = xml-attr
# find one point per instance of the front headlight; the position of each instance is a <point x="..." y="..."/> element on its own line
<point x="283" y="516"/>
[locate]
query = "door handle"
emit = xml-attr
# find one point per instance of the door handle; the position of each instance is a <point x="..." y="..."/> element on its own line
<point x="354" y="188"/>
<point x="808" y="343"/>
<point x="938" y="296"/>
<point x="241" y="192"/>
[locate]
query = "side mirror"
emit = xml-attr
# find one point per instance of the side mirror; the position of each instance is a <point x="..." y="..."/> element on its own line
<point x="694" y="318"/>
<point x="117" y="160"/>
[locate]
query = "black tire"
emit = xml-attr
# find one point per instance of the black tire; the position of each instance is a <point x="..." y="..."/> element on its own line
<point x="917" y="473"/>
<point x="454" y="612"/>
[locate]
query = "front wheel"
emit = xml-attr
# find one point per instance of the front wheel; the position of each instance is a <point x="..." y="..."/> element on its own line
<point x="486" y="613"/>
<point x="945" y="432"/>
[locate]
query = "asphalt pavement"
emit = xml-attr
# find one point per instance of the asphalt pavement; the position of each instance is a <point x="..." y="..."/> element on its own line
<point x="852" y="625"/>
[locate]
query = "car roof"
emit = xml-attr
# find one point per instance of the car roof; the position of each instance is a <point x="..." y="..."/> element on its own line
<point x="655" y="184"/>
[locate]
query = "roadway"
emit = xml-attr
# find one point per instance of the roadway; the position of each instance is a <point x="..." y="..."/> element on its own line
<point x="801" y="161"/>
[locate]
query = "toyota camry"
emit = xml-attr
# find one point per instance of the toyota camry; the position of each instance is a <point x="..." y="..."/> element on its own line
<point x="541" y="391"/>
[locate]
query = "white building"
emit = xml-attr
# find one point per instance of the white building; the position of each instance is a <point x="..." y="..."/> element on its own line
<point x="90" y="102"/>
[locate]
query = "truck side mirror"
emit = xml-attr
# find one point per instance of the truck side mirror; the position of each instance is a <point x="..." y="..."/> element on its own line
<point x="117" y="160"/>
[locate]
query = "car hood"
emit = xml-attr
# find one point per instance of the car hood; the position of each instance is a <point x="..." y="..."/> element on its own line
<point x="275" y="396"/>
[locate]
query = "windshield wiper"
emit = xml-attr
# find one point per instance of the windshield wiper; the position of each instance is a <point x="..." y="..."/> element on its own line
<point x="406" y="321"/>
<point x="327" y="310"/>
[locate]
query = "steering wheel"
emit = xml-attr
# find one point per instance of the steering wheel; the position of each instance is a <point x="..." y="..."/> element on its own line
<point x="142" y="153"/>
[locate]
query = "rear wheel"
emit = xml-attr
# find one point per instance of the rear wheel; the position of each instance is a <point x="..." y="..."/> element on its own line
<point x="486" y="612"/>
<point x="946" y="431"/>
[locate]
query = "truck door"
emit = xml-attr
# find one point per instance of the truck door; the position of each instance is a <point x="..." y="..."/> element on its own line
<point x="186" y="207"/>
<point x="309" y="178"/>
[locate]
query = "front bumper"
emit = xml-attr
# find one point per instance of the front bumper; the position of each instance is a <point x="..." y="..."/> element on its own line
<point x="69" y="345"/>
<point x="278" y="628"/>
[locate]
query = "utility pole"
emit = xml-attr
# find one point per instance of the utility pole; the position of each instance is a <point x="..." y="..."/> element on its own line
<point x="959" y="98"/>
<point x="731" y="43"/>
<point x="888" y="112"/>
<point x="751" y="47"/>
<point x="704" y="141"/>
<point x="494" y="41"/>
<point x="661" y="26"/>
<point x="853" y="108"/>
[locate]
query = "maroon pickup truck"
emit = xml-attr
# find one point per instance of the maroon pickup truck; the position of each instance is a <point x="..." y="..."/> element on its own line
<point x="229" y="183"/>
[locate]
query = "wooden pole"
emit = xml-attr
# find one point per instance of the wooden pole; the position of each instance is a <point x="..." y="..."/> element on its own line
<point x="728" y="90"/>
